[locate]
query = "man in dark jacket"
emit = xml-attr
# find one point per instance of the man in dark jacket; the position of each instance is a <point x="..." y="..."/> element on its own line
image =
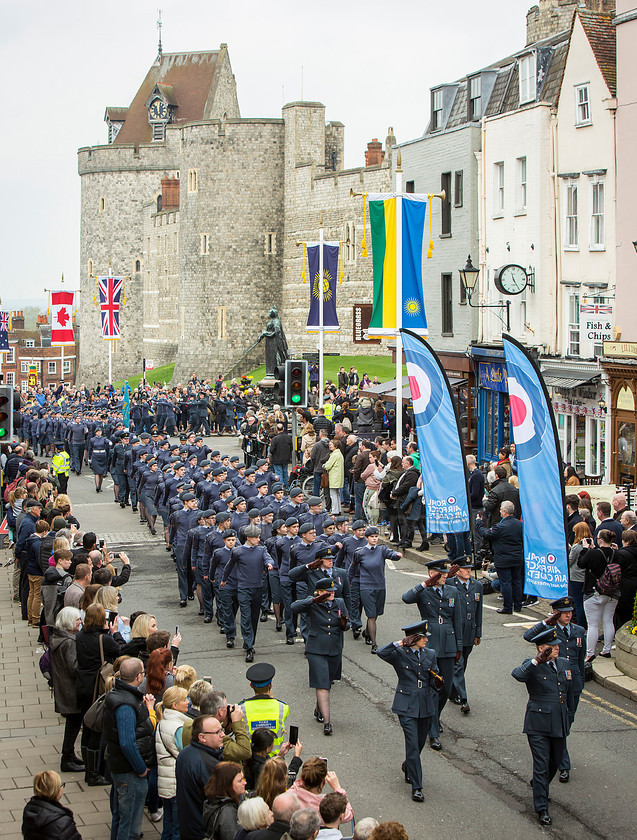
<point x="406" y="481"/>
<point x="130" y="748"/>
<point x="508" y="555"/>
<point x="319" y="456"/>
<point x="26" y="529"/>
<point x="193" y="768"/>
<point x="359" y="465"/>
<point x="501" y="491"/>
<point x="285" y="805"/>
<point x="281" y="453"/>
<point x="349" y="453"/>
<point x="574" y="516"/>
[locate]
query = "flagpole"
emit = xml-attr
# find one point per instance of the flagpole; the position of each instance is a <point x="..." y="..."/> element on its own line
<point x="110" y="361"/>
<point x="321" y="314"/>
<point x="62" y="363"/>
<point x="399" y="303"/>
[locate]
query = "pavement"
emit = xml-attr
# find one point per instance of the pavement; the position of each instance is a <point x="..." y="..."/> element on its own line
<point x="476" y="787"/>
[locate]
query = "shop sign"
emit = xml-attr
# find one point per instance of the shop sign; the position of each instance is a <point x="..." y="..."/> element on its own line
<point x="493" y="376"/>
<point x="627" y="349"/>
<point x="361" y="316"/>
<point x="582" y="410"/>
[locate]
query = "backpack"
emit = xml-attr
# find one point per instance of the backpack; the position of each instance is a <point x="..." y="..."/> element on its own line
<point x="608" y="583"/>
<point x="45" y="667"/>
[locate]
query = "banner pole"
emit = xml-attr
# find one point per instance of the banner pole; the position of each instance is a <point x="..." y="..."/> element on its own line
<point x="62" y="363"/>
<point x="110" y="361"/>
<point x="399" y="302"/>
<point x="321" y="314"/>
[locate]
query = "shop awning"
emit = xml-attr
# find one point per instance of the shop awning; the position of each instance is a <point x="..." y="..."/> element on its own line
<point x="388" y="390"/>
<point x="564" y="377"/>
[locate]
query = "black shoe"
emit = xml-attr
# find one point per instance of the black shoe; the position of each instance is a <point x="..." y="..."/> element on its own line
<point x="201" y="612"/>
<point x="424" y="546"/>
<point x="95" y="780"/>
<point x="250" y="655"/>
<point x="435" y="744"/>
<point x="356" y="634"/>
<point x="465" y="708"/>
<point x="565" y="776"/>
<point x="530" y="602"/>
<point x="327" y="729"/>
<point x="207" y="619"/>
<point x="374" y="648"/>
<point x="504" y="612"/>
<point x="417" y="795"/>
<point x="230" y="643"/>
<point x="279" y="626"/>
<point x="403" y="767"/>
<point x="191" y="597"/>
<point x="455" y="699"/>
<point x="183" y="603"/>
<point x="605" y="655"/>
<point x="318" y="715"/>
<point x="289" y="640"/>
<point x="122" y="505"/>
<point x="544" y="818"/>
<point x="365" y="635"/>
<point x="134" y="508"/>
<point x="71" y="766"/>
<point x="264" y="617"/>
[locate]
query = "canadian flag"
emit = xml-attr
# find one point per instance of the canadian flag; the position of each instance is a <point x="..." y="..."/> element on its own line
<point x="62" y="318"/>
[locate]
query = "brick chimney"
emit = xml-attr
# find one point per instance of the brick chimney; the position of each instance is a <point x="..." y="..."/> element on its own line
<point x="17" y="320"/>
<point x="374" y="155"/>
<point x="170" y="193"/>
<point x="42" y="320"/>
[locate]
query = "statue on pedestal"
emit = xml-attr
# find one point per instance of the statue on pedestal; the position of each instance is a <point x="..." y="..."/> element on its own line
<point x="276" y="345"/>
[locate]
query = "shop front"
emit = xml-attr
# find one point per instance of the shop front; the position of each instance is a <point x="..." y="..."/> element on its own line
<point x="492" y="401"/>
<point x="620" y="364"/>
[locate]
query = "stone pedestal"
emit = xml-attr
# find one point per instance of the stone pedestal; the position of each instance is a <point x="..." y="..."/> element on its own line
<point x="626" y="651"/>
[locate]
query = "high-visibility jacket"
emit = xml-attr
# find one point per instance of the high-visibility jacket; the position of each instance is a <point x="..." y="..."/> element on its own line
<point x="61" y="463"/>
<point x="266" y="712"/>
<point x="328" y="408"/>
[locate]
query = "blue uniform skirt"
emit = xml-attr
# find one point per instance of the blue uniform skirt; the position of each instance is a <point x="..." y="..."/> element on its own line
<point x="324" y="670"/>
<point x="275" y="586"/>
<point x="373" y="601"/>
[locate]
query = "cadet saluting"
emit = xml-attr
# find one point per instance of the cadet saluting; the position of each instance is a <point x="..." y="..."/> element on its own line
<point x="549" y="711"/>
<point x="572" y="641"/>
<point x="439" y="604"/>
<point x="415" y="701"/>
<point x="327" y="620"/>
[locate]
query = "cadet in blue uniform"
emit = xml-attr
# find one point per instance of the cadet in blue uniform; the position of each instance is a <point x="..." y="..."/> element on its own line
<point x="227" y="597"/>
<point x="572" y="641"/>
<point x="350" y="544"/>
<point x="283" y="547"/>
<point x="549" y="711"/>
<point x="438" y="603"/>
<point x="327" y="621"/>
<point x="98" y="453"/>
<point x="369" y="563"/>
<point x="181" y="522"/>
<point x="321" y="567"/>
<point x="470" y="593"/>
<point x="415" y="700"/>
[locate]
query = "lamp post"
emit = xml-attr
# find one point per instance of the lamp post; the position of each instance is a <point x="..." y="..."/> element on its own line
<point x="469" y="279"/>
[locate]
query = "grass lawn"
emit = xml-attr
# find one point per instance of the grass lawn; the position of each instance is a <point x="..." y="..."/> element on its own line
<point x="161" y="374"/>
<point x="380" y="366"/>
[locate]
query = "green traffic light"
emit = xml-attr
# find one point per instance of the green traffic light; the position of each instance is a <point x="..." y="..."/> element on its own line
<point x="2" y="432"/>
<point x="296" y="398"/>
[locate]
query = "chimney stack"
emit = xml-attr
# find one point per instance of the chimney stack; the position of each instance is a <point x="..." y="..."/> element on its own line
<point x="374" y="155"/>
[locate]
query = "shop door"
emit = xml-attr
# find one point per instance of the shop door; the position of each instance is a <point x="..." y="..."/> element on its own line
<point x="624" y="456"/>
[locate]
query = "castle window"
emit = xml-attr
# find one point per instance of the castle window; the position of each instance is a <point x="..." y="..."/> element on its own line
<point x="102" y="204"/>
<point x="204" y="245"/>
<point x="138" y="265"/>
<point x="89" y="265"/>
<point x="222" y="322"/>
<point x="193" y="180"/>
<point x="270" y="243"/>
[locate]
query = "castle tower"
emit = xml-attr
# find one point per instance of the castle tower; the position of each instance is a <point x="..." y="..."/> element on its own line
<point x="552" y="16"/>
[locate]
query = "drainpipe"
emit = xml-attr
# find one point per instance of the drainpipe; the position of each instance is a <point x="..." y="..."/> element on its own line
<point x="482" y="221"/>
<point x="557" y="237"/>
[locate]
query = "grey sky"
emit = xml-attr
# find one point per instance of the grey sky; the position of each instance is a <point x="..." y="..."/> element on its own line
<point x="370" y="62"/>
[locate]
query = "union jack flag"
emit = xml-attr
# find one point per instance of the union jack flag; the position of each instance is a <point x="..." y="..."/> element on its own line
<point x="4" y="330"/>
<point x="596" y="308"/>
<point x="110" y="289"/>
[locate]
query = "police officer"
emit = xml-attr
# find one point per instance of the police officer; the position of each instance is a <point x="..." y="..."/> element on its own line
<point x="415" y="700"/>
<point x="470" y="595"/>
<point x="327" y="620"/>
<point x="61" y="465"/>
<point x="549" y="711"/>
<point x="439" y="604"/>
<point x="263" y="710"/>
<point x="572" y="641"/>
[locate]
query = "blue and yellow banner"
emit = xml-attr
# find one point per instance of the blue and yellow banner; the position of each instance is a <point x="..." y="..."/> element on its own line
<point x="126" y="405"/>
<point x="324" y="287"/>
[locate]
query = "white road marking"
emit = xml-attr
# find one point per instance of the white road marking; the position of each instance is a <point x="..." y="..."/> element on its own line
<point x="519" y="624"/>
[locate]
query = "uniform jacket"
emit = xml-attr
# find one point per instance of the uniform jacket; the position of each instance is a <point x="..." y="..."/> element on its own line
<point x="415" y="693"/>
<point x="550" y="707"/>
<point x="324" y="634"/>
<point x="369" y="563"/>
<point x="470" y="607"/>
<point x="444" y="615"/>
<point x="572" y="648"/>
<point x="312" y="576"/>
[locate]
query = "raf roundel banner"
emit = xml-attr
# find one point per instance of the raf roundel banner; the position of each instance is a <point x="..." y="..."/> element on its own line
<point x="442" y="461"/>
<point x="540" y="473"/>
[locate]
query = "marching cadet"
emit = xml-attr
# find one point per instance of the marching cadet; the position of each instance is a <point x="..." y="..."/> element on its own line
<point x="227" y="598"/>
<point x="439" y="604"/>
<point x="470" y="592"/>
<point x="351" y="543"/>
<point x="327" y="621"/>
<point x="415" y="700"/>
<point x="549" y="711"/>
<point x="283" y="547"/>
<point x="321" y="567"/>
<point x="572" y="641"/>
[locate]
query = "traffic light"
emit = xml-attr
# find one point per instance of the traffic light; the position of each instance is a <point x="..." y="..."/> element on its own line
<point x="17" y="408"/>
<point x="6" y="413"/>
<point x="278" y="392"/>
<point x="296" y="383"/>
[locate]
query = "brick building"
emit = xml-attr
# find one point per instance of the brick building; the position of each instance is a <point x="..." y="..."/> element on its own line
<point x="34" y="347"/>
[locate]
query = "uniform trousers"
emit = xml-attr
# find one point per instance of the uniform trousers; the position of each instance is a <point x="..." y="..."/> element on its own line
<point x="459" y="688"/>
<point x="206" y="592"/>
<point x="415" y="731"/>
<point x="227" y="606"/>
<point x="250" y="607"/>
<point x="77" y="452"/>
<point x="565" y="763"/>
<point x="445" y="667"/>
<point x="182" y="573"/>
<point x="547" y="755"/>
<point x="355" y="595"/>
<point x="287" y="596"/>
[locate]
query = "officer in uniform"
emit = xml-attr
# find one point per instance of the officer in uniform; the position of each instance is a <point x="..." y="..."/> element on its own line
<point x="572" y="641"/>
<point x="549" y="711"/>
<point x="439" y="604"/>
<point x="263" y="710"/>
<point x="470" y="595"/>
<point x="415" y="700"/>
<point x="321" y="567"/>
<point x="350" y="544"/>
<point x="61" y="465"/>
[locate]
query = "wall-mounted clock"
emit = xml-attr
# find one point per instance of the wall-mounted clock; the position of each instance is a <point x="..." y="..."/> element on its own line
<point x="510" y="279"/>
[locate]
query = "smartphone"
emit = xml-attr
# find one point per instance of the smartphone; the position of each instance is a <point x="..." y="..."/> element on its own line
<point x="101" y="543"/>
<point x="229" y="711"/>
<point x="208" y="680"/>
<point x="177" y="630"/>
<point x="324" y="760"/>
<point x="112" y="616"/>
<point x="294" y="735"/>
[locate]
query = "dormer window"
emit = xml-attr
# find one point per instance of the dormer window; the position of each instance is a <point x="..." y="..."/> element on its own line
<point x="475" y="98"/>
<point x="526" y="66"/>
<point x="436" y="110"/>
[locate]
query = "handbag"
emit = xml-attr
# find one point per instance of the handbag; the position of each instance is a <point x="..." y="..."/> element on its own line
<point x="325" y="480"/>
<point x="105" y="671"/>
<point x="373" y="502"/>
<point x="94" y="715"/>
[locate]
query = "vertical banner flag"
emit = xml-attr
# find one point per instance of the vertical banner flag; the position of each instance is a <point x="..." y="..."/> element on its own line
<point x="126" y="405"/>
<point x="325" y="287"/>
<point x="442" y="463"/>
<point x="5" y="317"/>
<point x="539" y="462"/>
<point x="110" y="289"/>
<point x="382" y="219"/>
<point x="62" y="318"/>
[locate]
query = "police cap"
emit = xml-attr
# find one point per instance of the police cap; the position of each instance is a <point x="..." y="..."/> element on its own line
<point x="261" y="674"/>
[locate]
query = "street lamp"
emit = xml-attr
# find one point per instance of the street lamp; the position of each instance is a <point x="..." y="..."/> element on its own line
<point x="469" y="279"/>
